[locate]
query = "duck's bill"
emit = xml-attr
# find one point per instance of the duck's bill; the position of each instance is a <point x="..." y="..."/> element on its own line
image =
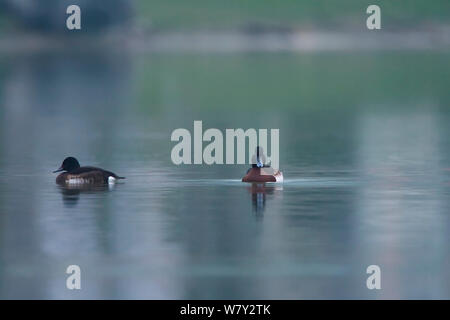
<point x="59" y="170"/>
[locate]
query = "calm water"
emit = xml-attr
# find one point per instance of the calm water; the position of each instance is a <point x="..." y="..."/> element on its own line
<point x="365" y="151"/>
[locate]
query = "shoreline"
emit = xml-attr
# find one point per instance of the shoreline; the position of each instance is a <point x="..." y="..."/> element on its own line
<point x="229" y="41"/>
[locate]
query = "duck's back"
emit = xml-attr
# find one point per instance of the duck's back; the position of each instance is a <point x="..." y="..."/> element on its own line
<point x="85" y="175"/>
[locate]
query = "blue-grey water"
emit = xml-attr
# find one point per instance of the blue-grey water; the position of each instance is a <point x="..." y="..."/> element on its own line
<point x="364" y="147"/>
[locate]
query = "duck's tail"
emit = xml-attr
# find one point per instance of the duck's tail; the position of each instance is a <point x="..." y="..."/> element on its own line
<point x="112" y="179"/>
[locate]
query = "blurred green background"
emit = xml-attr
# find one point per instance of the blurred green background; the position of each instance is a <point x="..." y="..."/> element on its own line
<point x="290" y="13"/>
<point x="228" y="15"/>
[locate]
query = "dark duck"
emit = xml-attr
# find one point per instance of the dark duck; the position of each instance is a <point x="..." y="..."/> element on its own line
<point x="75" y="174"/>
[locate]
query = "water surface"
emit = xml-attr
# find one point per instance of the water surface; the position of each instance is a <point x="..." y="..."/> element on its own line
<point x="365" y="151"/>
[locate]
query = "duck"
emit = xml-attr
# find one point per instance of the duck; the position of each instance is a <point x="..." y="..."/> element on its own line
<point x="263" y="175"/>
<point x="75" y="174"/>
<point x="261" y="172"/>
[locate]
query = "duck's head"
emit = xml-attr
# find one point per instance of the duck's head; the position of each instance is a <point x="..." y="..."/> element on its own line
<point x="259" y="151"/>
<point x="68" y="164"/>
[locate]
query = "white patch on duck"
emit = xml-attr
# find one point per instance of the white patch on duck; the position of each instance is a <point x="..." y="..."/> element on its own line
<point x="75" y="181"/>
<point x="111" y="180"/>
<point x="279" y="177"/>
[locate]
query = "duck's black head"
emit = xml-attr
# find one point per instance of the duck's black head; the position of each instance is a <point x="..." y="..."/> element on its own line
<point x="69" y="164"/>
<point x="259" y="151"/>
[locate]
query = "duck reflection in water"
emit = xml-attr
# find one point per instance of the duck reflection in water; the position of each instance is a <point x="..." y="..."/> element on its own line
<point x="260" y="192"/>
<point x="71" y="193"/>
